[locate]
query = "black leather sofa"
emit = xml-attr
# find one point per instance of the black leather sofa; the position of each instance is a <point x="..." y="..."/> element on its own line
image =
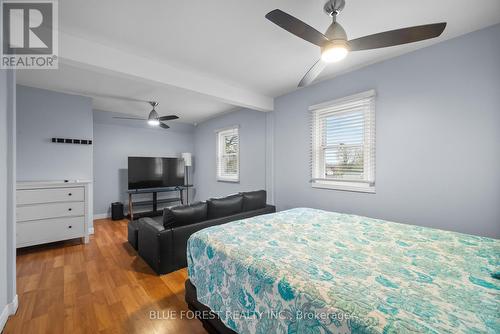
<point x="162" y="241"/>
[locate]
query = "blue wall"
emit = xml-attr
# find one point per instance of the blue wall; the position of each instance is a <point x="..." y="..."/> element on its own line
<point x="438" y="135"/>
<point x="7" y="196"/>
<point x="252" y="131"/>
<point x="438" y="129"/>
<point x="116" y="140"/>
<point x="43" y="114"/>
<point x="3" y="190"/>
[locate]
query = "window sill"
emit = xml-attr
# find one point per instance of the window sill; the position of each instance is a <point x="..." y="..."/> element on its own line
<point x="345" y="186"/>
<point x="228" y="180"/>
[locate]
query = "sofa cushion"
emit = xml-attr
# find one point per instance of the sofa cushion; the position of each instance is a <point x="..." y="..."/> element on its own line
<point x="184" y="214"/>
<point x="254" y="200"/>
<point x="226" y="206"/>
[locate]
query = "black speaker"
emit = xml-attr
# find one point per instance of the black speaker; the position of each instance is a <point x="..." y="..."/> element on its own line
<point x="117" y="211"/>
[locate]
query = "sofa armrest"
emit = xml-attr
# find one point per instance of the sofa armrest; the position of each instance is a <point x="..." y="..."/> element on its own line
<point x="155" y="245"/>
<point x="152" y="224"/>
<point x="269" y="208"/>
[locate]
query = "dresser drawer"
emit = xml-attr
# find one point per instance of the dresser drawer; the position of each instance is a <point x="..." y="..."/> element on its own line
<point x="50" y="210"/>
<point x="37" y="196"/>
<point x="48" y="230"/>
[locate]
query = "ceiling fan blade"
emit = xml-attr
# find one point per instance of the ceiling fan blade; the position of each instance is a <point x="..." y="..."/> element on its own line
<point x="397" y="37"/>
<point x="297" y="27"/>
<point x="163" y="125"/>
<point x="168" y="118"/>
<point x="132" y="118"/>
<point x="313" y="73"/>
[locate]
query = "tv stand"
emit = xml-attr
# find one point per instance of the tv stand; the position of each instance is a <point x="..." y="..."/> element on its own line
<point x="155" y="201"/>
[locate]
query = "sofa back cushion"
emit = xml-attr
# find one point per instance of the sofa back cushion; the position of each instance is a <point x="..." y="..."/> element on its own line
<point x="254" y="200"/>
<point x="185" y="214"/>
<point x="226" y="206"/>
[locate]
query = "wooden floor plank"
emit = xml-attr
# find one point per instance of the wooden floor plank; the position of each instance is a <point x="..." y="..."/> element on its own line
<point x="101" y="287"/>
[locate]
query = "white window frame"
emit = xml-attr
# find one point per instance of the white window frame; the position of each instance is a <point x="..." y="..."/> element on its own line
<point x="220" y="134"/>
<point x="321" y="111"/>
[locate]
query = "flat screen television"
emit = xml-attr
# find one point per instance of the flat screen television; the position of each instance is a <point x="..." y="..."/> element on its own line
<point x="148" y="172"/>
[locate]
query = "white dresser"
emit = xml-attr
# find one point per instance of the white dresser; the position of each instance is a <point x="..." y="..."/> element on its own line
<point x="52" y="211"/>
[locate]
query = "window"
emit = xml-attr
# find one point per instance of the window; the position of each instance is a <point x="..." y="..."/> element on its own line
<point x="228" y="155"/>
<point x="343" y="143"/>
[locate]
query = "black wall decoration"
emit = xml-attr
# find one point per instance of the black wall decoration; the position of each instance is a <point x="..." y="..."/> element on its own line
<point x="72" y="141"/>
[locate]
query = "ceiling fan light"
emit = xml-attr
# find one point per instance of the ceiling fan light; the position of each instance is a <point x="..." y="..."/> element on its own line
<point x="334" y="52"/>
<point x="153" y="118"/>
<point x="153" y="122"/>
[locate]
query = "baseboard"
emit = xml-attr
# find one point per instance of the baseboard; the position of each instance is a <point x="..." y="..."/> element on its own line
<point x="8" y="310"/>
<point x="4" y="316"/>
<point x="91" y="230"/>
<point x="13" y="306"/>
<point x="101" y="216"/>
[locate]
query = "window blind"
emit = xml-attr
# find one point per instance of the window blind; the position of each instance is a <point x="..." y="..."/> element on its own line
<point x="343" y="140"/>
<point x="228" y="147"/>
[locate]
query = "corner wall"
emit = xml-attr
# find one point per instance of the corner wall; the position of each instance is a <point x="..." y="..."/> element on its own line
<point x="437" y="141"/>
<point x="252" y="131"/>
<point x="8" y="296"/>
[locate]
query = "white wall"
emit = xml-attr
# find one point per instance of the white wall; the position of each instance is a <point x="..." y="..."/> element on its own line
<point x="252" y="131"/>
<point x="116" y="140"/>
<point x="8" y="297"/>
<point x="437" y="138"/>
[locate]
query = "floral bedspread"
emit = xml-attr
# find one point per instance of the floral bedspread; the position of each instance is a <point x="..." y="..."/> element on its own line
<point x="312" y="271"/>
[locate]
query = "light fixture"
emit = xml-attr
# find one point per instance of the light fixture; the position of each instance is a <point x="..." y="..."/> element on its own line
<point x="334" y="52"/>
<point x="153" y="118"/>
<point x="153" y="122"/>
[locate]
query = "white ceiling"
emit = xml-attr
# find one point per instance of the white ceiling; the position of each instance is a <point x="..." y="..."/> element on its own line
<point x="232" y="42"/>
<point x="102" y="87"/>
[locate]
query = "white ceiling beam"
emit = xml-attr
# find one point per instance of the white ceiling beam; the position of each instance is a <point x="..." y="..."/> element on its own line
<point x="101" y="58"/>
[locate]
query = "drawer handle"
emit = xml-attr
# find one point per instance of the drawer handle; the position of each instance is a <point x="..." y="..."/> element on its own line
<point x="70" y="226"/>
<point x="70" y="194"/>
<point x="69" y="209"/>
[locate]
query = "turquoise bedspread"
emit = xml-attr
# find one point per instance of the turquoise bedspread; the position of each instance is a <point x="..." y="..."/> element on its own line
<point x="312" y="271"/>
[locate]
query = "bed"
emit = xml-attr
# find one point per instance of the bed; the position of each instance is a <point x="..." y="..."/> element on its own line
<point x="313" y="271"/>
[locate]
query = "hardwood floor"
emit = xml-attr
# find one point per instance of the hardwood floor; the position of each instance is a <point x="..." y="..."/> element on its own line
<point x="101" y="287"/>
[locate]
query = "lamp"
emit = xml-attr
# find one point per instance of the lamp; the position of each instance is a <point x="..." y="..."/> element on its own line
<point x="188" y="162"/>
<point x="188" y="159"/>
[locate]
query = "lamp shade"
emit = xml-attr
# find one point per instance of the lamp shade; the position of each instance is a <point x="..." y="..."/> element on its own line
<point x="188" y="159"/>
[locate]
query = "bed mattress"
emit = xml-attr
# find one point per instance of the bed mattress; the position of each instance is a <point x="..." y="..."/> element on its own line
<point x="312" y="271"/>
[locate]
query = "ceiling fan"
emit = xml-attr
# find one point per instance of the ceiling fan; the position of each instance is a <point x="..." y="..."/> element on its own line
<point x="153" y="119"/>
<point x="334" y="44"/>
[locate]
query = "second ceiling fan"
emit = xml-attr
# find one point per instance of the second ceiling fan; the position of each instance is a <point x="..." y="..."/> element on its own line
<point x="334" y="44"/>
<point x="153" y="119"/>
